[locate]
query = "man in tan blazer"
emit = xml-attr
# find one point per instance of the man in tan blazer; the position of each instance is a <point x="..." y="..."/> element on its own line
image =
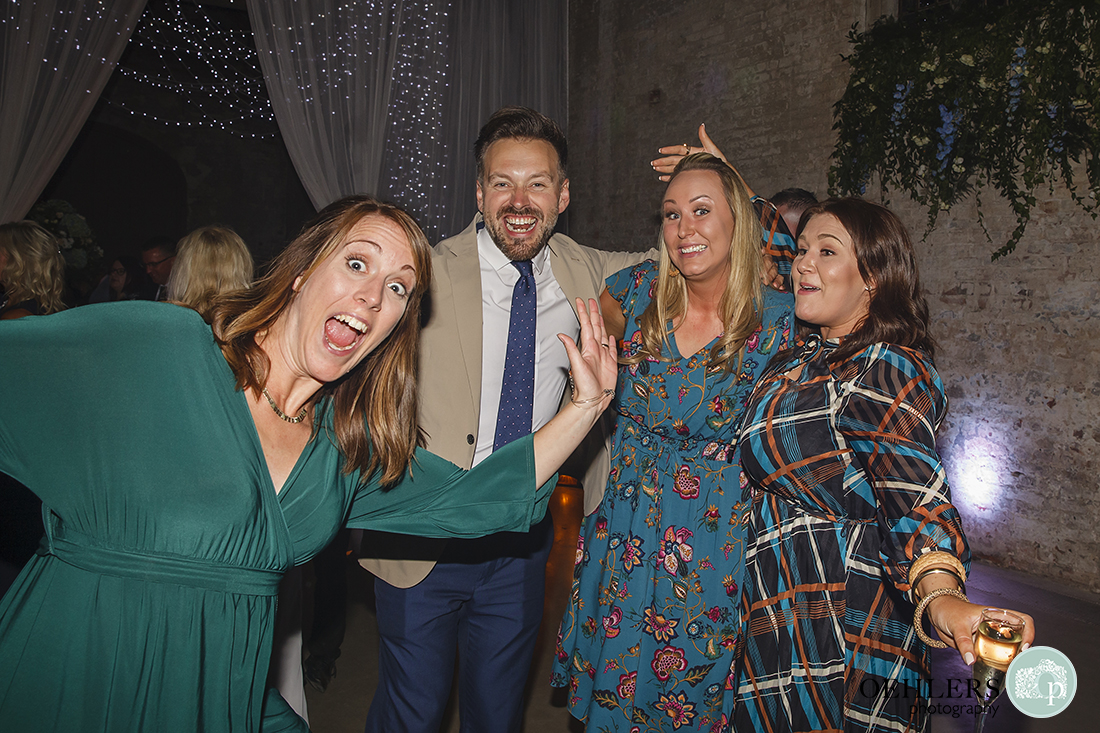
<point x="484" y="597"/>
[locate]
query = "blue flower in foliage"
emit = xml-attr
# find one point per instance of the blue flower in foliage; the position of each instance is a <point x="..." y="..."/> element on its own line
<point x="1055" y="144"/>
<point x="901" y="93"/>
<point x="947" y="135"/>
<point x="1015" y="71"/>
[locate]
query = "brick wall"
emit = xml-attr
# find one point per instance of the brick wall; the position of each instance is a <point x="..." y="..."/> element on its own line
<point x="1018" y="338"/>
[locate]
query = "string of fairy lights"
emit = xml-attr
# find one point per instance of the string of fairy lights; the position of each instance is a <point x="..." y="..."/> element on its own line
<point x="213" y="69"/>
<point x="348" y="42"/>
<point x="416" y="114"/>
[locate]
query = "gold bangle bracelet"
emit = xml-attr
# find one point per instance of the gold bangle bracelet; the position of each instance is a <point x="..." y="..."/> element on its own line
<point x="936" y="557"/>
<point x="934" y="571"/>
<point x="919" y="613"/>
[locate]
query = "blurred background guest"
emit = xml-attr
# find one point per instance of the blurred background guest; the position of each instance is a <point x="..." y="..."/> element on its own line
<point x="208" y="262"/>
<point x="126" y="280"/>
<point x="158" y="255"/>
<point x="790" y="203"/>
<point x="32" y="271"/>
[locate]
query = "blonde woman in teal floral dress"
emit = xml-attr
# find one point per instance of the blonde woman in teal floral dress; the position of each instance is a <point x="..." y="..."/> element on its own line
<point x="647" y="641"/>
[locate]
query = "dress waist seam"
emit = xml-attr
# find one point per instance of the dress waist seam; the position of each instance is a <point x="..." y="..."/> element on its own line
<point x="164" y="569"/>
<point x="708" y="447"/>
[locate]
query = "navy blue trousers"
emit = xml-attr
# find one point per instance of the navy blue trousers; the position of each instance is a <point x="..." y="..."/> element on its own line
<point x="484" y="599"/>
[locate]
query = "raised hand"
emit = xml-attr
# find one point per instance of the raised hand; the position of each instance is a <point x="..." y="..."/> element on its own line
<point x="594" y="366"/>
<point x="673" y="154"/>
<point x="593" y="370"/>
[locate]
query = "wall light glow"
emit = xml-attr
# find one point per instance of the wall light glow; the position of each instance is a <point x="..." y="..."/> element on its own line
<point x="976" y="463"/>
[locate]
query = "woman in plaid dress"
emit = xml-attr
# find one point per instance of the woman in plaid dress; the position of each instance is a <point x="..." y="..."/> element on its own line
<point x="852" y="522"/>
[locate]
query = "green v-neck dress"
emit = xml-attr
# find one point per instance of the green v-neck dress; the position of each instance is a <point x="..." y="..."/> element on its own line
<point x="150" y="604"/>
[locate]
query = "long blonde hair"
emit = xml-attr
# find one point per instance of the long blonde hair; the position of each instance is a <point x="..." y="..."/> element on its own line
<point x="209" y="261"/>
<point x="35" y="269"/>
<point x="742" y="300"/>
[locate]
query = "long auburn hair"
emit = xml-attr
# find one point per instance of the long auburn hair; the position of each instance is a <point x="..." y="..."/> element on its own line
<point x="375" y="404"/>
<point x="742" y="300"/>
<point x="35" y="269"/>
<point x="898" y="311"/>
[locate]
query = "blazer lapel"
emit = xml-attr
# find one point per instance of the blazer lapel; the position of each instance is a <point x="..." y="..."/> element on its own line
<point x="464" y="276"/>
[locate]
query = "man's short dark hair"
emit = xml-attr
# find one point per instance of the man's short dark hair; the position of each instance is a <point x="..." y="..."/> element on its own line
<point x="166" y="245"/>
<point x="521" y="123"/>
<point x="795" y="199"/>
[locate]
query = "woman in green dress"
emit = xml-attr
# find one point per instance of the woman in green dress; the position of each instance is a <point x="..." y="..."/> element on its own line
<point x="183" y="468"/>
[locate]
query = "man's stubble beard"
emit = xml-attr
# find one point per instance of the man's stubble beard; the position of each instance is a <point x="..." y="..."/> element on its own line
<point x="520" y="250"/>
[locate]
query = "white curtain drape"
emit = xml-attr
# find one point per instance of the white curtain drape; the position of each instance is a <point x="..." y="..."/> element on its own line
<point x="55" y="58"/>
<point x="387" y="97"/>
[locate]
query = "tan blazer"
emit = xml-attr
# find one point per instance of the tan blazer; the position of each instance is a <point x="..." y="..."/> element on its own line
<point x="450" y="380"/>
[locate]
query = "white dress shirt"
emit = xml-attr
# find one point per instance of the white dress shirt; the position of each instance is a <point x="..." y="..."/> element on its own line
<point x="554" y="315"/>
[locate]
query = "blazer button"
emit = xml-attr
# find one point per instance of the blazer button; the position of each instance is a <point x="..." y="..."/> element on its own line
<point x="470" y="439"/>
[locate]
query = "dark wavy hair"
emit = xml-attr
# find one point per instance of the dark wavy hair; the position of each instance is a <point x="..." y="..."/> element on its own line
<point x="898" y="312"/>
<point x="520" y="123"/>
<point x="381" y="388"/>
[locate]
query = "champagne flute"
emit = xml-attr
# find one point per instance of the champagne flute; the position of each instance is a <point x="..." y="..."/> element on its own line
<point x="998" y="639"/>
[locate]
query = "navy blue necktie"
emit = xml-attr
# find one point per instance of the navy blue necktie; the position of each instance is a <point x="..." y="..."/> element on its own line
<point x="517" y="391"/>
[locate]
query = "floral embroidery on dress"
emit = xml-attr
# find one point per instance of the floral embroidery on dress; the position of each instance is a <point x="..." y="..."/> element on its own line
<point x="675" y="553"/>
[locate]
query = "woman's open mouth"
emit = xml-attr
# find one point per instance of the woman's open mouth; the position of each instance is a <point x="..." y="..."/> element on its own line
<point x="343" y="332"/>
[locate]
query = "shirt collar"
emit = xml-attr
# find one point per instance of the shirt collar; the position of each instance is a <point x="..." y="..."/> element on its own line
<point x="489" y="253"/>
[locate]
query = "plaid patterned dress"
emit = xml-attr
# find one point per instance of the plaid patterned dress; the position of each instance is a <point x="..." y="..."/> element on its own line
<point x="847" y="490"/>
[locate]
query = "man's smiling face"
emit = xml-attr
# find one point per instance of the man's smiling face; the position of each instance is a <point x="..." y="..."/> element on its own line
<point x="521" y="195"/>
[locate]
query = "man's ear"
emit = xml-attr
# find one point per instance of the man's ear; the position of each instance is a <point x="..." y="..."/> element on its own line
<point x="563" y="196"/>
<point x="480" y="198"/>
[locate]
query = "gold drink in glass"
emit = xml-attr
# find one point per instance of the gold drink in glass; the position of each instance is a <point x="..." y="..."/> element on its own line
<point x="995" y="645"/>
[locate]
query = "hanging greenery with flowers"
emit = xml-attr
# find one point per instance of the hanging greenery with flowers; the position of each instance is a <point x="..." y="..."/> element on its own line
<point x="74" y="236"/>
<point x="1004" y="99"/>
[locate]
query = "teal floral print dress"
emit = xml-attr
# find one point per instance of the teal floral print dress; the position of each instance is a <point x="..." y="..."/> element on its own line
<point x="647" y="641"/>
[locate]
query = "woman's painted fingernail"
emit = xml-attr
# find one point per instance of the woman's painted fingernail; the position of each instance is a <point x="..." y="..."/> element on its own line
<point x="968" y="658"/>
